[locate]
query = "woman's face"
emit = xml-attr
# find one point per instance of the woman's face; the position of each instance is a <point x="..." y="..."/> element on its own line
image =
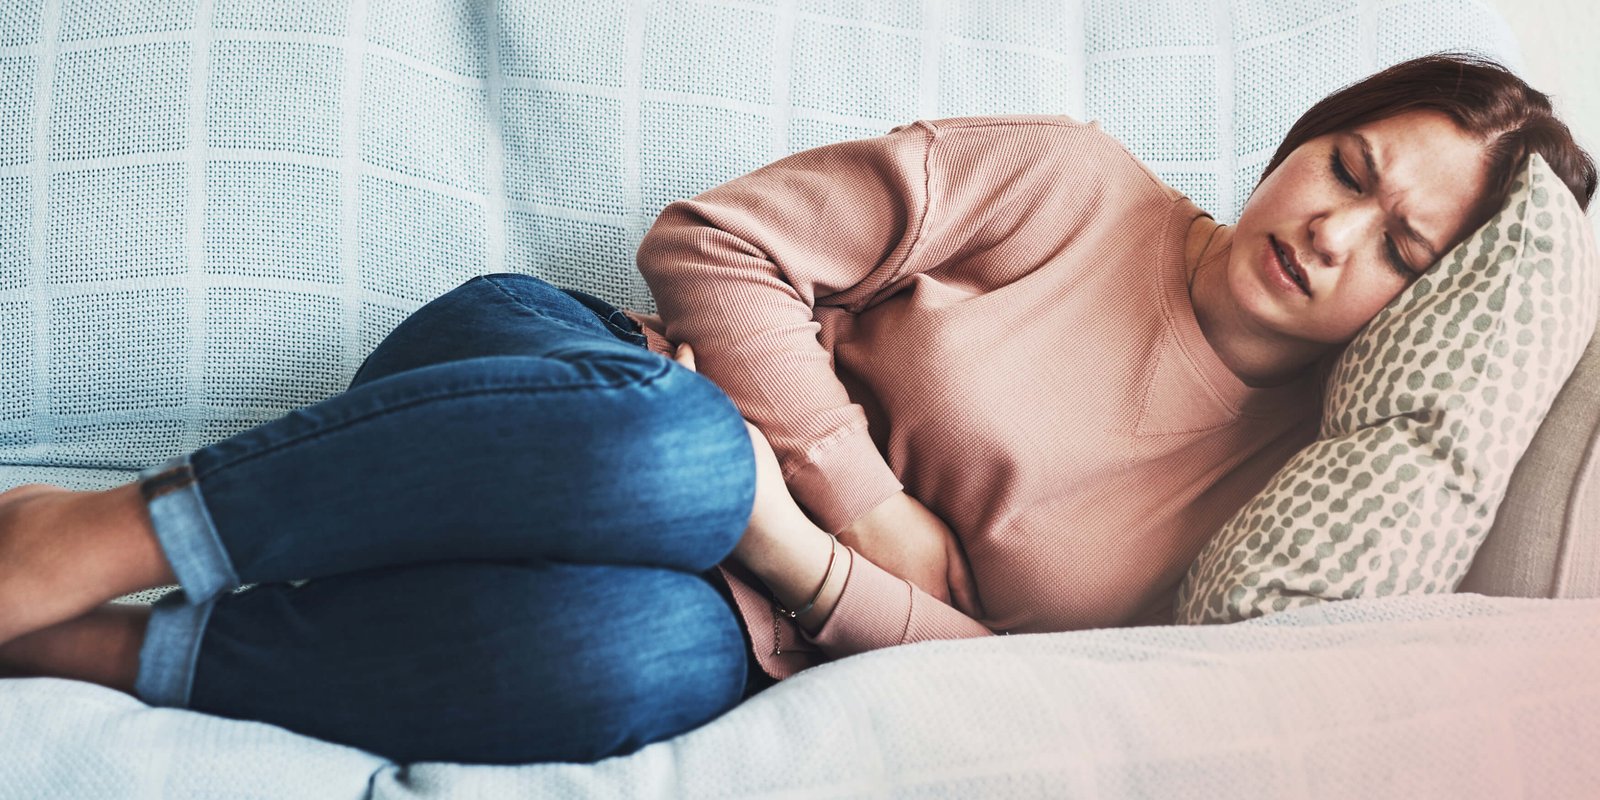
<point x="1345" y="223"/>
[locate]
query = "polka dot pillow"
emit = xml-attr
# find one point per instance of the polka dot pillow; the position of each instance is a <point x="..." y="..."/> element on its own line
<point x="1425" y="416"/>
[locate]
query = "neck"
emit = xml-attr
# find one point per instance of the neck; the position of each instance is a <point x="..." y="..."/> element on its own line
<point x="1260" y="358"/>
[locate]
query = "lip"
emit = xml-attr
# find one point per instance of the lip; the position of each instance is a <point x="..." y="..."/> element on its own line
<point x="1274" y="270"/>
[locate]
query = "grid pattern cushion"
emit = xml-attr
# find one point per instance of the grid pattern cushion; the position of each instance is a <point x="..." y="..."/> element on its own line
<point x="211" y="210"/>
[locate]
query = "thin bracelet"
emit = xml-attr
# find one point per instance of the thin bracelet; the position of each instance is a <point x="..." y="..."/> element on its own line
<point x="792" y="614"/>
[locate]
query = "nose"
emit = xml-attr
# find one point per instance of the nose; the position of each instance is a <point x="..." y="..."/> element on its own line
<point x="1339" y="233"/>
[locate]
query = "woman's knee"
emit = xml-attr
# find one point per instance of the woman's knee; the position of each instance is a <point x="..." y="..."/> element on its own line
<point x="675" y="438"/>
<point x="628" y="443"/>
<point x="688" y="675"/>
<point x="663" y="655"/>
<point x="602" y="411"/>
<point x="697" y="457"/>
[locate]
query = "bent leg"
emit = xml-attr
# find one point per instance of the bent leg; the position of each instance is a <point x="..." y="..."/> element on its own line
<point x="470" y="662"/>
<point x="555" y="440"/>
<point x="494" y="458"/>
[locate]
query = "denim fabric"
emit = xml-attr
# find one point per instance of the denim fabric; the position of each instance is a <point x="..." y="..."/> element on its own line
<point x="504" y="529"/>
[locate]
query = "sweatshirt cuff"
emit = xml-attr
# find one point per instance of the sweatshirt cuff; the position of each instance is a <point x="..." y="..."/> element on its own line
<point x="844" y="480"/>
<point x="872" y="612"/>
<point x="876" y="609"/>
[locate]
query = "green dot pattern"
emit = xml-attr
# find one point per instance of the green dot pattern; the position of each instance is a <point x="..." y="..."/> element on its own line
<point x="1424" y="418"/>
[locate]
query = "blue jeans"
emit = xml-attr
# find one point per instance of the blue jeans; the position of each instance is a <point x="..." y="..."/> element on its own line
<point x="505" y="528"/>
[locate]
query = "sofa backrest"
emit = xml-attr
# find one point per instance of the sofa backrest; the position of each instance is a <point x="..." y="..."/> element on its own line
<point x="1545" y="541"/>
<point x="210" y="212"/>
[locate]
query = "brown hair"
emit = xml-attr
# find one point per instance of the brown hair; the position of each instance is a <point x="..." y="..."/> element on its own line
<point x="1483" y="98"/>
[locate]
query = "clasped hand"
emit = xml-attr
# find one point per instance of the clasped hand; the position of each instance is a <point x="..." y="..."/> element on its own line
<point x="901" y="535"/>
<point x="910" y="541"/>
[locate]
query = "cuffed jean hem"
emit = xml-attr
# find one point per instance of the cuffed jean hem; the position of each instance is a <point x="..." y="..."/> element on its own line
<point x="185" y="532"/>
<point x="171" y="648"/>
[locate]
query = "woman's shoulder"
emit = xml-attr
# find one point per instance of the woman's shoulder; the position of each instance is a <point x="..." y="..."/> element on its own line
<point x="1010" y="120"/>
<point x="1082" y="143"/>
<point x="1032" y="126"/>
<point x="1048" y="144"/>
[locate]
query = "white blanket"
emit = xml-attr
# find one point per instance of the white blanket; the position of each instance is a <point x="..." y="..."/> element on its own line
<point x="1454" y="696"/>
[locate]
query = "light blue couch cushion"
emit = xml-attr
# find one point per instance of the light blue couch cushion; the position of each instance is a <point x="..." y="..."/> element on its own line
<point x="210" y="212"/>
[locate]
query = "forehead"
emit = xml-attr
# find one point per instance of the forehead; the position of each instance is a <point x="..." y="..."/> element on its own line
<point x="1433" y="172"/>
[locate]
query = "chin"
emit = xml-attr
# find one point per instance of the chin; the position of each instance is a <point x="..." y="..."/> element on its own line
<point x="1254" y="300"/>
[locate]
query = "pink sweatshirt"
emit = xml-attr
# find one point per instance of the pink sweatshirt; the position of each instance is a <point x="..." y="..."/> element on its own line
<point x="992" y="314"/>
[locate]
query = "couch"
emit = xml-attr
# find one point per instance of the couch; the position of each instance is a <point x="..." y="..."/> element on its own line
<point x="213" y="209"/>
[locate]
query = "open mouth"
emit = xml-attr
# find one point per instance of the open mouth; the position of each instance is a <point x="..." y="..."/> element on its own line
<point x="1289" y="267"/>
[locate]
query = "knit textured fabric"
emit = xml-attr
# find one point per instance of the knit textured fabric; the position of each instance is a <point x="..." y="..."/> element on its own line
<point x="1423" y="697"/>
<point x="1004" y="332"/>
<point x="211" y="211"/>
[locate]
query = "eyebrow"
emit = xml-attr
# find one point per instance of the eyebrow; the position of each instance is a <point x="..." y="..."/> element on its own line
<point x="1405" y="224"/>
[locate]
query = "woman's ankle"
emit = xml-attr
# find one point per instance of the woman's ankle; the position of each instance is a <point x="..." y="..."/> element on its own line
<point x="64" y="552"/>
<point x="123" y="516"/>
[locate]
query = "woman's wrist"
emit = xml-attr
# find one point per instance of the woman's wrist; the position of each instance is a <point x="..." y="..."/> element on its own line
<point x="793" y="564"/>
<point x="828" y="593"/>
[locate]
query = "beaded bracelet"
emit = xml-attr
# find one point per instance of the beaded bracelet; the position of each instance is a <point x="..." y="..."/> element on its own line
<point x="807" y="607"/>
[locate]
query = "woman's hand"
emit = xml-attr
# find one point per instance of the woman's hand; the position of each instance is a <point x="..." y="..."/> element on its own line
<point x="787" y="550"/>
<point x="911" y="542"/>
<point x="900" y="535"/>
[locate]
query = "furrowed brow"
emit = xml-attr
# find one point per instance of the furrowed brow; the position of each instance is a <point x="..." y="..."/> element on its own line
<point x="1405" y="224"/>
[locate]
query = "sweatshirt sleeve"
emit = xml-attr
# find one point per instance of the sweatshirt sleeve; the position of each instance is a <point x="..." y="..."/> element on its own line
<point x="877" y="609"/>
<point x="740" y="271"/>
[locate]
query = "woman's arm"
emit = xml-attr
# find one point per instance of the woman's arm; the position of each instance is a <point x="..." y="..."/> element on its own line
<point x="792" y="558"/>
<point x="906" y="538"/>
<point x="791" y="555"/>
<point x="752" y="272"/>
<point x="744" y="270"/>
<point x="900" y="534"/>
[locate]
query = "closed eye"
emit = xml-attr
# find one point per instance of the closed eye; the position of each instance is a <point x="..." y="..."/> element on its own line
<point x="1395" y="259"/>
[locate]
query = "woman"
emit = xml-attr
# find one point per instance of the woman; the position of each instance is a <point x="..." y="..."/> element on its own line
<point x="1011" y="382"/>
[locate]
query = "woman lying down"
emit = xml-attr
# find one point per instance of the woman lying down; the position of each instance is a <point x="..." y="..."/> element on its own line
<point x="974" y="376"/>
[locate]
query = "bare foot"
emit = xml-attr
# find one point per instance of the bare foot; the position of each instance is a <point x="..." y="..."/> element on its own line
<point x="23" y="543"/>
<point x="101" y="647"/>
<point x="64" y="552"/>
